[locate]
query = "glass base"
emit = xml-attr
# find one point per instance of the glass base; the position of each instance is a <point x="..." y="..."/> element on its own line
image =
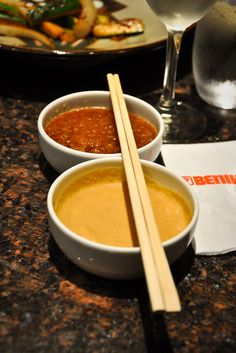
<point x="182" y="123"/>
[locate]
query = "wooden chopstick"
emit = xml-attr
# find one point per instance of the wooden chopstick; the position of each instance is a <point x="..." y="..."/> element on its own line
<point x="146" y="252"/>
<point x="161" y="287"/>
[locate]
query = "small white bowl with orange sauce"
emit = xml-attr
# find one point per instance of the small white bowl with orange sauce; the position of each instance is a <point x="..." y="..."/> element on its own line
<point x="90" y="216"/>
<point x="62" y="157"/>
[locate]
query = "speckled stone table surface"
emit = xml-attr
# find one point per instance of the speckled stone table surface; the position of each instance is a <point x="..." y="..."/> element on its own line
<point x="47" y="304"/>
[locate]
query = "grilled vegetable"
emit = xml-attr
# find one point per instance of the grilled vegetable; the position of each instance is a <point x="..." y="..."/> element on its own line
<point x="68" y="36"/>
<point x="9" y="9"/>
<point x="129" y="26"/>
<point x="52" y="29"/>
<point x="7" y="19"/>
<point x="13" y="41"/>
<point x="17" y="31"/>
<point x="9" y="13"/>
<point x="13" y="7"/>
<point x="53" y="9"/>
<point x="16" y="3"/>
<point x="84" y="23"/>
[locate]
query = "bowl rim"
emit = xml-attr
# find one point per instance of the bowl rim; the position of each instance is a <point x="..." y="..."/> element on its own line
<point x="91" y="155"/>
<point x="109" y="248"/>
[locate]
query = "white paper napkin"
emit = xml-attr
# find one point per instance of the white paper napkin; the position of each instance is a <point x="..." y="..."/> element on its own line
<point x="210" y="168"/>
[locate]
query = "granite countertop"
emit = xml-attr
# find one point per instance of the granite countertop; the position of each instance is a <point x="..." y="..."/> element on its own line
<point x="50" y="305"/>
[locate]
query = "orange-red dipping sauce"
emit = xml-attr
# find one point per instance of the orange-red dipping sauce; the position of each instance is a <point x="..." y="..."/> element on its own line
<point x="93" y="129"/>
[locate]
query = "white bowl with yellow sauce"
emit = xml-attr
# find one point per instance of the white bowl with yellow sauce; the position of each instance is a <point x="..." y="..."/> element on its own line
<point x="62" y="157"/>
<point x="91" y="220"/>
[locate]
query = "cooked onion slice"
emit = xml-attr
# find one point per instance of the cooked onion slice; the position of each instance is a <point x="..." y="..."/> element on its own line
<point x="85" y="21"/>
<point x="17" y="31"/>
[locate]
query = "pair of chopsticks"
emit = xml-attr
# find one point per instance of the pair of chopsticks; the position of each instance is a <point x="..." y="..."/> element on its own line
<point x="162" y="291"/>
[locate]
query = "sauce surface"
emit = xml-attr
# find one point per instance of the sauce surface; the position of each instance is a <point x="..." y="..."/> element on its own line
<point x="97" y="207"/>
<point x="93" y="129"/>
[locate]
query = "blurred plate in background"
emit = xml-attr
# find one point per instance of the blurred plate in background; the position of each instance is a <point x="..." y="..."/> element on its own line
<point x="154" y="35"/>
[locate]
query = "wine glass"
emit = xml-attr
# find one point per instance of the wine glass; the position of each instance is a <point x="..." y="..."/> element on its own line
<point x="182" y="122"/>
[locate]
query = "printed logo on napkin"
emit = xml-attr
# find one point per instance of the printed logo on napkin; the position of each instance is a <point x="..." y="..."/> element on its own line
<point x="210" y="168"/>
<point x="210" y="179"/>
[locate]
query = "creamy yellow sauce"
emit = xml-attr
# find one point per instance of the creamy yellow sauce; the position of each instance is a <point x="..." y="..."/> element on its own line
<point x="97" y="207"/>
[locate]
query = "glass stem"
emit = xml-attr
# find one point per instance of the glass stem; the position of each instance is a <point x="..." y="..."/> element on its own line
<point x="167" y="99"/>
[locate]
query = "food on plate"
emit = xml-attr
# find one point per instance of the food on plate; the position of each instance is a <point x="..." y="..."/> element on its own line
<point x="96" y="206"/>
<point x="93" y="129"/>
<point x="115" y="28"/>
<point x="23" y="32"/>
<point x="65" y="20"/>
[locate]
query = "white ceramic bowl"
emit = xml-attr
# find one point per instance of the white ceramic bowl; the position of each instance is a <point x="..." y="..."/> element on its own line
<point x="110" y="261"/>
<point x="62" y="158"/>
